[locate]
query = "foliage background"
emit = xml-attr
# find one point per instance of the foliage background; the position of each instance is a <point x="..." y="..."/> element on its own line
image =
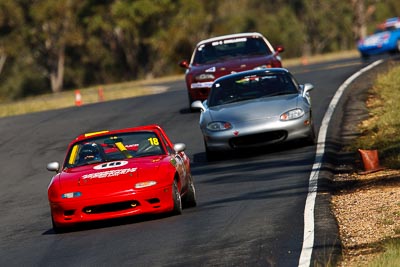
<point x="51" y="46"/>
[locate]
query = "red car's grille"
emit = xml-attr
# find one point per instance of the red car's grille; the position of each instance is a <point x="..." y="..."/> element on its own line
<point x="110" y="207"/>
<point x="199" y="94"/>
<point x="258" y="139"/>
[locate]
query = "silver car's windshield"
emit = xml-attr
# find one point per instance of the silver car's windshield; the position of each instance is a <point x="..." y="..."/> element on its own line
<point x="240" y="88"/>
<point x="230" y="48"/>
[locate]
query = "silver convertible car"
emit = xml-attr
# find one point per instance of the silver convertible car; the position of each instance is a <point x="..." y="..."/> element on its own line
<point x="255" y="108"/>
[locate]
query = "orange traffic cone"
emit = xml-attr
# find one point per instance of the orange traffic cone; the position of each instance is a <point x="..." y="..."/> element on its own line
<point x="370" y="160"/>
<point x="304" y="61"/>
<point x="78" y="98"/>
<point x="101" y="94"/>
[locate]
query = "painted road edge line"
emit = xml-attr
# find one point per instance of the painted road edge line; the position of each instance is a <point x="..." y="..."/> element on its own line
<point x="308" y="238"/>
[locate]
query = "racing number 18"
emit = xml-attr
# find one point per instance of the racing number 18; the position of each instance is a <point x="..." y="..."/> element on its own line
<point x="153" y="141"/>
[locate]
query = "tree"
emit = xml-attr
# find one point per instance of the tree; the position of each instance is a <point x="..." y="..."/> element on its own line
<point x="48" y="45"/>
<point x="11" y="19"/>
<point x="138" y="27"/>
<point x="55" y="28"/>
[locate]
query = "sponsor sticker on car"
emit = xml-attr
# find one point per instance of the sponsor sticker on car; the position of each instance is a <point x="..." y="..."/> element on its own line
<point x="201" y="85"/>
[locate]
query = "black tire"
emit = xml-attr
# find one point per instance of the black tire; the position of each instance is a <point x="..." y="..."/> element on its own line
<point x="176" y="198"/>
<point x="311" y="139"/>
<point x="190" y="103"/>
<point x="210" y="154"/>
<point x="364" y="56"/>
<point x="56" y="229"/>
<point x="190" y="197"/>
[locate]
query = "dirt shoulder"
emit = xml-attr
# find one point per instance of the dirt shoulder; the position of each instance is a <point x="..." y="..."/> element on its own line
<point x="366" y="206"/>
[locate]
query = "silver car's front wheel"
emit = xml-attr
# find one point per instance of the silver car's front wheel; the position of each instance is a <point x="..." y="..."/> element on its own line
<point x="311" y="139"/>
<point x="210" y="154"/>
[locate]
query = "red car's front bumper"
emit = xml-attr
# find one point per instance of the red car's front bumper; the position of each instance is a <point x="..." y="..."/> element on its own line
<point x="73" y="211"/>
<point x="199" y="94"/>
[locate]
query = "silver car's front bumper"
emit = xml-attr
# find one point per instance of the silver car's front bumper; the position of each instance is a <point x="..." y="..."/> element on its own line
<point x="257" y="133"/>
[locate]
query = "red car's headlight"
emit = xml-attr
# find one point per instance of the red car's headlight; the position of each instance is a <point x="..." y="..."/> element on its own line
<point x="205" y="77"/>
<point x="71" y="195"/>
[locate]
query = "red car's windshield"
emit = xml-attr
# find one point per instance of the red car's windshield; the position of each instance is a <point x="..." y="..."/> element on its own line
<point x="230" y="48"/>
<point x="114" y="147"/>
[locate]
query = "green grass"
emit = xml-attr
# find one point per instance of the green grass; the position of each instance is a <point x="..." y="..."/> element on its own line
<point x="381" y="130"/>
<point x="390" y="257"/>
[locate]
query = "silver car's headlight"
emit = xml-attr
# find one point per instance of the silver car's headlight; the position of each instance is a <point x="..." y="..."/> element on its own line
<point x="219" y="126"/>
<point x="292" y="114"/>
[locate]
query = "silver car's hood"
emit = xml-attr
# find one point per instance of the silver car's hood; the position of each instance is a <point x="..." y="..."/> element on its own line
<point x="261" y="108"/>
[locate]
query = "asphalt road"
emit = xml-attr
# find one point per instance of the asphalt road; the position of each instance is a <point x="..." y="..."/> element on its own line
<point x="250" y="206"/>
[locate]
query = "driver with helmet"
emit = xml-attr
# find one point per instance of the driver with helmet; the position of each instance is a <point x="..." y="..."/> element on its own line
<point x="90" y="152"/>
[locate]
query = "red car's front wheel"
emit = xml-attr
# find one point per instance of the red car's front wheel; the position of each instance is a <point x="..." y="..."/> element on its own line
<point x="176" y="198"/>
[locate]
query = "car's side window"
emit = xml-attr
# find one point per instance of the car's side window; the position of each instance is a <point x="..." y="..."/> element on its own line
<point x="169" y="149"/>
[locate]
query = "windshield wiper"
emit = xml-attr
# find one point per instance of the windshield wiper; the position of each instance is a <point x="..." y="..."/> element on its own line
<point x="238" y="99"/>
<point x="281" y="93"/>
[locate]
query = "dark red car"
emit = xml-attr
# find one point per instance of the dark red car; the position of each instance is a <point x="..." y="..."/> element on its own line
<point x="219" y="56"/>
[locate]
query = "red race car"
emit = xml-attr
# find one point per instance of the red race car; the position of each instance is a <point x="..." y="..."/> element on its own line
<point x="111" y="174"/>
<point x="222" y="55"/>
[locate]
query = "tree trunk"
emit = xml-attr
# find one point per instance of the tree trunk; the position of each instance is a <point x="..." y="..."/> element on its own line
<point x="360" y="19"/>
<point x="57" y="74"/>
<point x="3" y="59"/>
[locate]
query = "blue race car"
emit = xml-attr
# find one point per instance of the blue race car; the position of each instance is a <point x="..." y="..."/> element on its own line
<point x="386" y="38"/>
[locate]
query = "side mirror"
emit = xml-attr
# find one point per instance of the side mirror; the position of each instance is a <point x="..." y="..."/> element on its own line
<point x="184" y="64"/>
<point x="279" y="49"/>
<point x="307" y="88"/>
<point x="199" y="105"/>
<point x="179" y="147"/>
<point x="53" y="167"/>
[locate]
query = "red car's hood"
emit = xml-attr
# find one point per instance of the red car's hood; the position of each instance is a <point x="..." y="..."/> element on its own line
<point x="122" y="173"/>
<point x="234" y="65"/>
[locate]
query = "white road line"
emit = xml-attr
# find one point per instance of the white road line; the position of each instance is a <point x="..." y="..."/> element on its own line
<point x="308" y="238"/>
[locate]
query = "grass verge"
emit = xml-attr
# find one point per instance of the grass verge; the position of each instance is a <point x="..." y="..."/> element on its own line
<point x="89" y="95"/>
<point x="389" y="258"/>
<point x="381" y="130"/>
